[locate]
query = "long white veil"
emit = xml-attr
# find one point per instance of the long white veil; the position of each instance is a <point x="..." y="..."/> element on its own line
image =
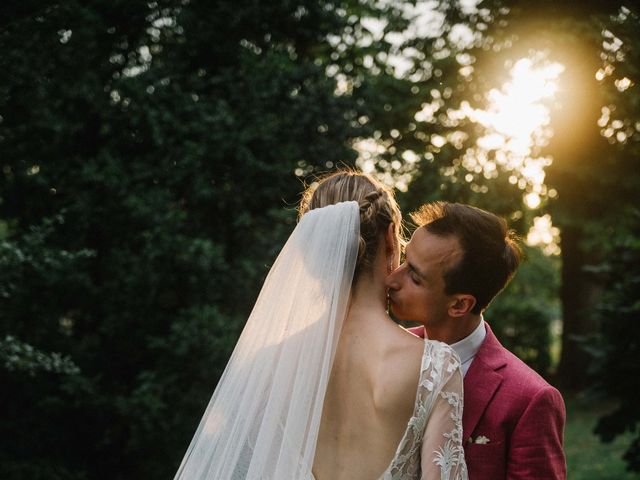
<point x="263" y="419"/>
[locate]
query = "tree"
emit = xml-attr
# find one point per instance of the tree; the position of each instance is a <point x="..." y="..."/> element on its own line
<point x="151" y="154"/>
<point x="592" y="182"/>
<point x="616" y="348"/>
<point x="453" y="74"/>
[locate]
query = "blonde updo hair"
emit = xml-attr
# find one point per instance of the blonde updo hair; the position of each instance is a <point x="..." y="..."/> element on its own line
<point x="378" y="208"/>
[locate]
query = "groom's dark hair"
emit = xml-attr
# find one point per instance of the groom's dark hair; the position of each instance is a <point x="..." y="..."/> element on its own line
<point x="491" y="254"/>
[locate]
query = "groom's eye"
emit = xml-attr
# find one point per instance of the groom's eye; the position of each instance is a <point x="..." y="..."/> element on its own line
<point x="414" y="276"/>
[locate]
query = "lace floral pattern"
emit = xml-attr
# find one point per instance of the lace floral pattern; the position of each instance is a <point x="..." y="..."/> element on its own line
<point x="440" y="387"/>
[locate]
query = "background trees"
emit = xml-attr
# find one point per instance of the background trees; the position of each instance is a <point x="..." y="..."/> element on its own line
<point x="152" y="155"/>
<point x="590" y="163"/>
<point x="151" y="160"/>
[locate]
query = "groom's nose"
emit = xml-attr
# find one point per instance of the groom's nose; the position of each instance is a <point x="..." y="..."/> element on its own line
<point x="391" y="282"/>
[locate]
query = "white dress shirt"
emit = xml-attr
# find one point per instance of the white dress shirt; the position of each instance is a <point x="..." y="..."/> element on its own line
<point x="469" y="346"/>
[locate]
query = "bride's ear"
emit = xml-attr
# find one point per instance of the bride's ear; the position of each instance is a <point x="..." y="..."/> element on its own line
<point x="392" y="248"/>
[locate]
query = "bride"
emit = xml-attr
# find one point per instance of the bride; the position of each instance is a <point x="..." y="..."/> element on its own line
<point x="322" y="384"/>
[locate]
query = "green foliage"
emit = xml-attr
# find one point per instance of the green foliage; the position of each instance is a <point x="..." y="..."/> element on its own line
<point x="19" y="356"/>
<point x="587" y="457"/>
<point x="617" y="348"/>
<point x="617" y="235"/>
<point x="522" y="315"/>
<point x="594" y="169"/>
<point x="150" y="155"/>
<point x="595" y="151"/>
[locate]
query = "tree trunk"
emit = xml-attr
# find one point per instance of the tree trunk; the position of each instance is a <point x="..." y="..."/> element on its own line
<point x="579" y="294"/>
<point x="578" y="150"/>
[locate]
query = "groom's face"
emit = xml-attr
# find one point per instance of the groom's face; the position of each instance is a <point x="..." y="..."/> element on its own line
<point x="417" y="287"/>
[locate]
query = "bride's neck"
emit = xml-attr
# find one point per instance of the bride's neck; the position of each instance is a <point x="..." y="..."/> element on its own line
<point x="368" y="299"/>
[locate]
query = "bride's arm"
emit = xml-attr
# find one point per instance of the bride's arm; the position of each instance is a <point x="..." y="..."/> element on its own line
<point x="442" y="454"/>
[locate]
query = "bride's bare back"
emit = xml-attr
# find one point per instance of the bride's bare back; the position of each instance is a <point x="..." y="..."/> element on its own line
<point x="369" y="400"/>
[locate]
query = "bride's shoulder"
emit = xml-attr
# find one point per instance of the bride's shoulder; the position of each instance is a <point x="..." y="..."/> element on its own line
<point x="409" y="345"/>
<point x="404" y="350"/>
<point x="398" y="371"/>
<point x="405" y="363"/>
<point x="412" y="345"/>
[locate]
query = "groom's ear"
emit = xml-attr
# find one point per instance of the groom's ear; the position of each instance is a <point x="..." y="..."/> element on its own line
<point x="461" y="305"/>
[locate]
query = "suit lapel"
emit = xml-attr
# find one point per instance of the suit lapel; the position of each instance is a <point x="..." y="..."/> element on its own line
<point x="481" y="382"/>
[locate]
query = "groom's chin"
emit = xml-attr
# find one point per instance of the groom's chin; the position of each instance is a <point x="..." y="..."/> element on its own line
<point x="395" y="311"/>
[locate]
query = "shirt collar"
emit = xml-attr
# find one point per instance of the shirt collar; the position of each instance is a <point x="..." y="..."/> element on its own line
<point x="469" y="346"/>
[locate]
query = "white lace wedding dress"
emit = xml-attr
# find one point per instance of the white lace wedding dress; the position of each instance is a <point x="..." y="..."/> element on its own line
<point x="431" y="447"/>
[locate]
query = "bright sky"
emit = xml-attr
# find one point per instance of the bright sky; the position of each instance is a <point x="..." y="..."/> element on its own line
<point x="516" y="123"/>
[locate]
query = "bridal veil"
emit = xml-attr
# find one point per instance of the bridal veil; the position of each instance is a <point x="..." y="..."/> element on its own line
<point x="263" y="419"/>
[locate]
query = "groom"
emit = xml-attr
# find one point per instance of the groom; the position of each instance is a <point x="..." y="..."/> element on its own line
<point x="457" y="261"/>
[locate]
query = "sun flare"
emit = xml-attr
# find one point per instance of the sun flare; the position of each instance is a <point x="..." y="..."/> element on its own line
<point x="517" y="110"/>
<point x="516" y="123"/>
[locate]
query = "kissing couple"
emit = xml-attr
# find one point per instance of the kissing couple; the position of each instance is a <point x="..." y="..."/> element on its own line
<point x="324" y="385"/>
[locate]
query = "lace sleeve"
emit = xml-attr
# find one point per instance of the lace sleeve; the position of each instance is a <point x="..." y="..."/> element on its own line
<point x="442" y="453"/>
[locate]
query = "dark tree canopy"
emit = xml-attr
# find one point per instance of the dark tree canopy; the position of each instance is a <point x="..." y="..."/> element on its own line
<point x="151" y="157"/>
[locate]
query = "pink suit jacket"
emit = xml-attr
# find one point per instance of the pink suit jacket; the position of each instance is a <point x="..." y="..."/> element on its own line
<point x="513" y="420"/>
